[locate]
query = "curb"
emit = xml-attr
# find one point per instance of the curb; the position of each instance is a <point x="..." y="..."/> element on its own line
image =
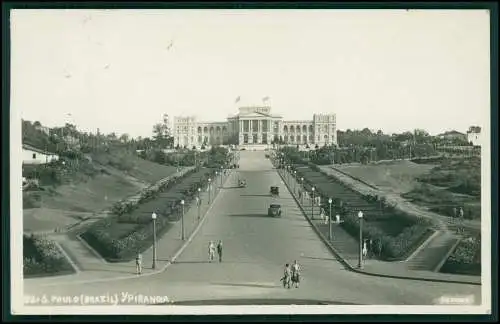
<point x="355" y="269"/>
<point x="70" y="260"/>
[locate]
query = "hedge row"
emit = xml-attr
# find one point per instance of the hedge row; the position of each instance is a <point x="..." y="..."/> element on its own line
<point x="466" y="258"/>
<point x="149" y="193"/>
<point x="410" y="230"/>
<point x="42" y="257"/>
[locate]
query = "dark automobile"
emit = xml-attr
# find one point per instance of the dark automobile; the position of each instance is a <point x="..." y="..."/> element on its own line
<point x="242" y="183"/>
<point x="274" y="210"/>
<point x="275" y="191"/>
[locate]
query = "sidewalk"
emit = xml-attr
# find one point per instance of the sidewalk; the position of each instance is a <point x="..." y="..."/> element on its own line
<point x="92" y="267"/>
<point x="346" y="249"/>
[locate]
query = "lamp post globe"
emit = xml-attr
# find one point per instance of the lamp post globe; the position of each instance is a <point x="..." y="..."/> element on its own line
<point x="153" y="216"/>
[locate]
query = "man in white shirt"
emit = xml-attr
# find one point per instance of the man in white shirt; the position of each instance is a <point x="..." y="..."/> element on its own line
<point x="296" y="274"/>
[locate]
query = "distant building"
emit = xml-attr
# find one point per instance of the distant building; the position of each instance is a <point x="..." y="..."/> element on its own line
<point x="452" y="135"/>
<point x="32" y="155"/>
<point x="474" y="135"/>
<point x="255" y="126"/>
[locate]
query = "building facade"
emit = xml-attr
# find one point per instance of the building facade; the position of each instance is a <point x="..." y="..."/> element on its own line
<point x="255" y="125"/>
<point x="474" y="135"/>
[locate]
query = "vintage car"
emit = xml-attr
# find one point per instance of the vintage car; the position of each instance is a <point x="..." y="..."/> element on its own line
<point x="274" y="210"/>
<point x="275" y="191"/>
<point x="242" y="183"/>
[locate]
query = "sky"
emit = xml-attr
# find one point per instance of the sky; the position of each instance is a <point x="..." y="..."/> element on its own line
<point x="121" y="70"/>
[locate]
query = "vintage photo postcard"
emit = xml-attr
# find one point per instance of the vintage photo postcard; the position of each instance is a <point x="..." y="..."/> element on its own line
<point x="250" y="161"/>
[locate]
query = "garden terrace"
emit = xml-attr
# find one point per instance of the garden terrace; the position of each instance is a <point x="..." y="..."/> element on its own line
<point x="466" y="258"/>
<point x="119" y="237"/>
<point x="42" y="257"/>
<point x="400" y="233"/>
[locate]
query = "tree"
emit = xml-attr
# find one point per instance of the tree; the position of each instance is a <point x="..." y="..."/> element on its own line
<point x="124" y="138"/>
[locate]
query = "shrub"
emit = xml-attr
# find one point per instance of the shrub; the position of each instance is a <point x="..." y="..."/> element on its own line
<point x="41" y="257"/>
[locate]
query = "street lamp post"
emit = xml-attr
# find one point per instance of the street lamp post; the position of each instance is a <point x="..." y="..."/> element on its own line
<point x="360" y="216"/>
<point x="294" y="181"/>
<point x="330" y="220"/>
<point x="312" y="203"/>
<point x="221" y="169"/>
<point x="199" y="202"/>
<point x="209" y="190"/>
<point x="182" y="220"/>
<point x="153" y="216"/>
<point x="215" y="180"/>
<point x="302" y="188"/>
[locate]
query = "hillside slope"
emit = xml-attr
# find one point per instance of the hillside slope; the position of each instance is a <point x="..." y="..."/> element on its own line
<point x="113" y="176"/>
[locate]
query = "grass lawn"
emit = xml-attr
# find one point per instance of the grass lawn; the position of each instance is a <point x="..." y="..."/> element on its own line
<point x="93" y="195"/>
<point x="134" y="166"/>
<point x="42" y="257"/>
<point x="394" y="176"/>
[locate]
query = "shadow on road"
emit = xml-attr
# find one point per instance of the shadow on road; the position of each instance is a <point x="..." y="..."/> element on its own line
<point x="232" y="187"/>
<point x="250" y="215"/>
<point x="244" y="285"/>
<point x="255" y="195"/>
<point x="197" y="261"/>
<point x="316" y="258"/>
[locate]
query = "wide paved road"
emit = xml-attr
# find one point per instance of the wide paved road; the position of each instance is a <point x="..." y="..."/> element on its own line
<point x="256" y="248"/>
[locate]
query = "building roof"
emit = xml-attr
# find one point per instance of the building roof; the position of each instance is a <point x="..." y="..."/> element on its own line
<point x="34" y="149"/>
<point x="453" y="132"/>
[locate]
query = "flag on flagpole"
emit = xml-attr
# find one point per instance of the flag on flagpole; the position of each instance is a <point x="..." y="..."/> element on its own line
<point x="237" y="99"/>
<point x="265" y="99"/>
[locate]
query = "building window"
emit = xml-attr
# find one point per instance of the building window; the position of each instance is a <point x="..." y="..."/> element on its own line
<point x="255" y="125"/>
<point x="254" y="138"/>
<point x="264" y="138"/>
<point x="245" y="138"/>
<point x="34" y="156"/>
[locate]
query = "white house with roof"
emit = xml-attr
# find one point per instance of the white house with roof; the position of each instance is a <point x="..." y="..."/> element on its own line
<point x="33" y="155"/>
<point x="474" y="135"/>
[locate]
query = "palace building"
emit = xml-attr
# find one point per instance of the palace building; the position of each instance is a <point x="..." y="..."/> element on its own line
<point x="255" y="126"/>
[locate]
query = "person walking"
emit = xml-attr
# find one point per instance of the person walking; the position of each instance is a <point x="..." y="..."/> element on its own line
<point x="296" y="274"/>
<point x="287" y="274"/>
<point x="219" y="250"/>
<point x="138" y="263"/>
<point x="211" y="251"/>
<point x="379" y="247"/>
